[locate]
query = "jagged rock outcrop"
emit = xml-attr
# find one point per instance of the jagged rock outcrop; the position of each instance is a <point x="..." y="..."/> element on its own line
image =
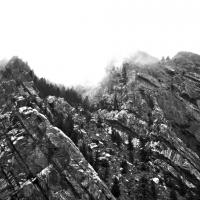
<point x="159" y="111"/>
<point x="39" y="161"/>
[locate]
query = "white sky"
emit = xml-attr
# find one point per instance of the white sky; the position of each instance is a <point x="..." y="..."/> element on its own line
<point x="72" y="41"/>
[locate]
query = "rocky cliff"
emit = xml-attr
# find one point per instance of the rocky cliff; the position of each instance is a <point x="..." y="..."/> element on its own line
<point x="38" y="160"/>
<point x="140" y="142"/>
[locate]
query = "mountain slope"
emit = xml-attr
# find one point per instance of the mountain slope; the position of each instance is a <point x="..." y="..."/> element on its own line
<point x="143" y="58"/>
<point x="140" y="136"/>
<point x="39" y="161"/>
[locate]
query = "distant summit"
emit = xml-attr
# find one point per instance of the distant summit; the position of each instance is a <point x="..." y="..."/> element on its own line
<point x="186" y="54"/>
<point x="143" y="58"/>
<point x="184" y="57"/>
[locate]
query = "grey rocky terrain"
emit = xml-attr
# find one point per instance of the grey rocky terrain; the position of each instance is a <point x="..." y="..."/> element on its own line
<point x="137" y="138"/>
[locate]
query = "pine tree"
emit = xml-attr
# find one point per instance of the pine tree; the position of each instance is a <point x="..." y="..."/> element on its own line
<point x="68" y="125"/>
<point x="83" y="150"/>
<point x="115" y="103"/>
<point x="86" y="103"/>
<point x="153" y="190"/>
<point x="115" y="188"/>
<point x="107" y="172"/>
<point x="131" y="156"/>
<point x="88" y="117"/>
<point x="143" y="152"/>
<point x="96" y="162"/>
<point x="74" y="137"/>
<point x="59" y="121"/>
<point x="163" y="59"/>
<point x="168" y="59"/>
<point x="113" y="134"/>
<point x="182" y="188"/>
<point x="118" y="139"/>
<point x="130" y="144"/>
<point x="124" y="73"/>
<point x="90" y="157"/>
<point x="142" y="192"/>
<point x="124" y="167"/>
<point x="173" y="195"/>
<point x="99" y="122"/>
<point x="150" y="119"/>
<point x="115" y="137"/>
<point x="130" y="149"/>
<point x="71" y="123"/>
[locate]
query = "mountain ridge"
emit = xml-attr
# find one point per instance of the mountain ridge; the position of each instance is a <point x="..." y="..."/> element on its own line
<point x="139" y="134"/>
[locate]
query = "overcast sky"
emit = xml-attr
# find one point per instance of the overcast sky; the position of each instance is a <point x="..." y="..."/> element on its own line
<point x="72" y="41"/>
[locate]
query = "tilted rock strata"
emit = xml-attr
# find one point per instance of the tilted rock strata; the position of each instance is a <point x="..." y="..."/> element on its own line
<point x="44" y="163"/>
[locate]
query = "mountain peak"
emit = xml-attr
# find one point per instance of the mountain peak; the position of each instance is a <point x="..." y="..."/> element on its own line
<point x="16" y="69"/>
<point x="143" y="58"/>
<point x="186" y="58"/>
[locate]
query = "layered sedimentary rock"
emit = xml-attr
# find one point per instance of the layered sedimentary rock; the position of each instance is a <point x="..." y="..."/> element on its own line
<point x="39" y="161"/>
<point x="142" y="141"/>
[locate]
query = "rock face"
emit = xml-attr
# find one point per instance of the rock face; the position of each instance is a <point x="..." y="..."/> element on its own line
<point x="141" y="142"/>
<point x="38" y="158"/>
<point x="39" y="161"/>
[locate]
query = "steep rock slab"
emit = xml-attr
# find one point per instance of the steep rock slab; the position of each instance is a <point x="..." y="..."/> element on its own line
<point x="40" y="162"/>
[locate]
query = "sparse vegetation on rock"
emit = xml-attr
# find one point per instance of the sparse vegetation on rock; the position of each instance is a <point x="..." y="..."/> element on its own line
<point x="137" y="138"/>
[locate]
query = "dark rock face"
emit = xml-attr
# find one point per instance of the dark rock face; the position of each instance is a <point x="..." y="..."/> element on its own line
<point x="143" y="144"/>
<point x="43" y="160"/>
<point x="38" y="158"/>
<point x="39" y="161"/>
